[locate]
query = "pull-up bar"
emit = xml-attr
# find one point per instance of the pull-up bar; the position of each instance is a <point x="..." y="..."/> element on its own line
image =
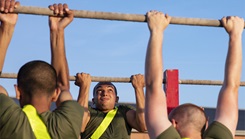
<point x="127" y="80"/>
<point x="119" y="16"/>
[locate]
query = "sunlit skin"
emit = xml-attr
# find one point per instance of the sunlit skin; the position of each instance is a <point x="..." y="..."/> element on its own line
<point x="105" y="98"/>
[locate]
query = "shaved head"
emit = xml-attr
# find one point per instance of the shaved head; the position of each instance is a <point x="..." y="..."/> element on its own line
<point x="189" y="116"/>
<point x="36" y="78"/>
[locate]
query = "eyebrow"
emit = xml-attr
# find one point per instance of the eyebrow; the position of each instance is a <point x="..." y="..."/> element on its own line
<point x="108" y="86"/>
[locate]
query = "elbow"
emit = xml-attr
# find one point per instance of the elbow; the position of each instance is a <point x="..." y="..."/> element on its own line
<point x="64" y="86"/>
<point x="141" y="126"/>
<point x="154" y="83"/>
<point x="142" y="129"/>
<point x="234" y="86"/>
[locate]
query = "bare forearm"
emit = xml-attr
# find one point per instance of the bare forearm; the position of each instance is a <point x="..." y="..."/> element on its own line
<point x="234" y="61"/>
<point x="6" y="33"/>
<point x="58" y="59"/>
<point x="83" y="96"/>
<point x="83" y="101"/>
<point x="140" y="109"/>
<point x="153" y="70"/>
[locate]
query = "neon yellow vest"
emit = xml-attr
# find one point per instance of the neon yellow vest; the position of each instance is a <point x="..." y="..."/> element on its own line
<point x="104" y="124"/>
<point x="37" y="125"/>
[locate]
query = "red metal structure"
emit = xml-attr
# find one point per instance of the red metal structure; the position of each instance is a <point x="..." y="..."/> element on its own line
<point x="171" y="88"/>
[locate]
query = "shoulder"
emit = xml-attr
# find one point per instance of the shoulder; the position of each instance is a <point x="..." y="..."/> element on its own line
<point x="70" y="105"/>
<point x="7" y="103"/>
<point x="126" y="106"/>
<point x="68" y="114"/>
<point x="13" y="120"/>
<point x="218" y="129"/>
<point x="67" y="111"/>
<point x="171" y="132"/>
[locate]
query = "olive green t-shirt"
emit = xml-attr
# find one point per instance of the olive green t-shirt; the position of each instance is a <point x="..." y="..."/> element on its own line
<point x="170" y="133"/>
<point x="215" y="131"/>
<point x="118" y="128"/>
<point x="63" y="123"/>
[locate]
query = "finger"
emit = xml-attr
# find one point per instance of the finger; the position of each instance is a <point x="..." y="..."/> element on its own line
<point x="11" y="6"/>
<point x="51" y="7"/>
<point x="2" y="4"/>
<point x="223" y="21"/>
<point x="17" y="4"/>
<point x="60" y="8"/>
<point x="150" y="13"/>
<point x="76" y="76"/>
<point x="168" y="18"/>
<point x="65" y="7"/>
<point x="56" y="11"/>
<point x="7" y="5"/>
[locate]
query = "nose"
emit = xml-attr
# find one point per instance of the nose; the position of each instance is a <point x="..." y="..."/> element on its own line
<point x="104" y="93"/>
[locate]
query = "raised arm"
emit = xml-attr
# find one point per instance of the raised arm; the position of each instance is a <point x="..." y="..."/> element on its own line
<point x="83" y="81"/>
<point x="155" y="109"/>
<point x="57" y="26"/>
<point x="227" y="107"/>
<point x="8" y="22"/>
<point x="136" y="119"/>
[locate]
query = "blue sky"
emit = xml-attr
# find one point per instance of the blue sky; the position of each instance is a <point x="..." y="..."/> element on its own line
<point x="118" y="48"/>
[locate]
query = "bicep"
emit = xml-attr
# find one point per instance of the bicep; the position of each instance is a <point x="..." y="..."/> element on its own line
<point x="64" y="96"/>
<point x="156" y="112"/>
<point x="131" y="119"/>
<point x="227" y="108"/>
<point x="86" y="118"/>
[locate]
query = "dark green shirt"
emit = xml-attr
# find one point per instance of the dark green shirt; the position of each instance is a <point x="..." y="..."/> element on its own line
<point x="63" y="123"/>
<point x="118" y="128"/>
<point x="215" y="131"/>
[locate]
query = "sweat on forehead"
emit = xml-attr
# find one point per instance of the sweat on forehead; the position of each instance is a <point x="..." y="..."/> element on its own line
<point x="104" y="83"/>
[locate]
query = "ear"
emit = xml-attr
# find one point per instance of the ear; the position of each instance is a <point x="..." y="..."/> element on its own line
<point x="117" y="99"/>
<point x="174" y="123"/>
<point x="93" y="100"/>
<point x="207" y="123"/>
<point x="17" y="91"/>
<point x="56" y="94"/>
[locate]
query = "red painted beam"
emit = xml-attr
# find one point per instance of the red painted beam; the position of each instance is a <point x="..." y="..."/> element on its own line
<point x="171" y="88"/>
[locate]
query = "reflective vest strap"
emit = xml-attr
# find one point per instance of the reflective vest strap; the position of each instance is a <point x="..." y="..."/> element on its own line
<point x="37" y="125"/>
<point x="104" y="124"/>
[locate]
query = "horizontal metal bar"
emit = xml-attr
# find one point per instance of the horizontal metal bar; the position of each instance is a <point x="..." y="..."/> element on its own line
<point x="119" y="16"/>
<point x="127" y="80"/>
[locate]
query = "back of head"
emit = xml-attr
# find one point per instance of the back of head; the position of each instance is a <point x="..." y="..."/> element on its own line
<point x="37" y="78"/>
<point x="189" y="116"/>
<point x="103" y="83"/>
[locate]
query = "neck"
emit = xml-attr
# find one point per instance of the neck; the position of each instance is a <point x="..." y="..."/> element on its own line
<point x="105" y="110"/>
<point x="42" y="104"/>
<point x="190" y="134"/>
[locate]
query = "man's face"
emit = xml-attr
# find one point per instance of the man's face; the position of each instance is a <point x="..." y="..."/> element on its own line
<point x="105" y="97"/>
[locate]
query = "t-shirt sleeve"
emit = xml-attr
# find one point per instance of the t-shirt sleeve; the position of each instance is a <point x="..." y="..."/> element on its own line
<point x="126" y="108"/>
<point x="66" y="120"/>
<point x="170" y="133"/>
<point x="216" y="130"/>
<point x="7" y="106"/>
<point x="13" y="119"/>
